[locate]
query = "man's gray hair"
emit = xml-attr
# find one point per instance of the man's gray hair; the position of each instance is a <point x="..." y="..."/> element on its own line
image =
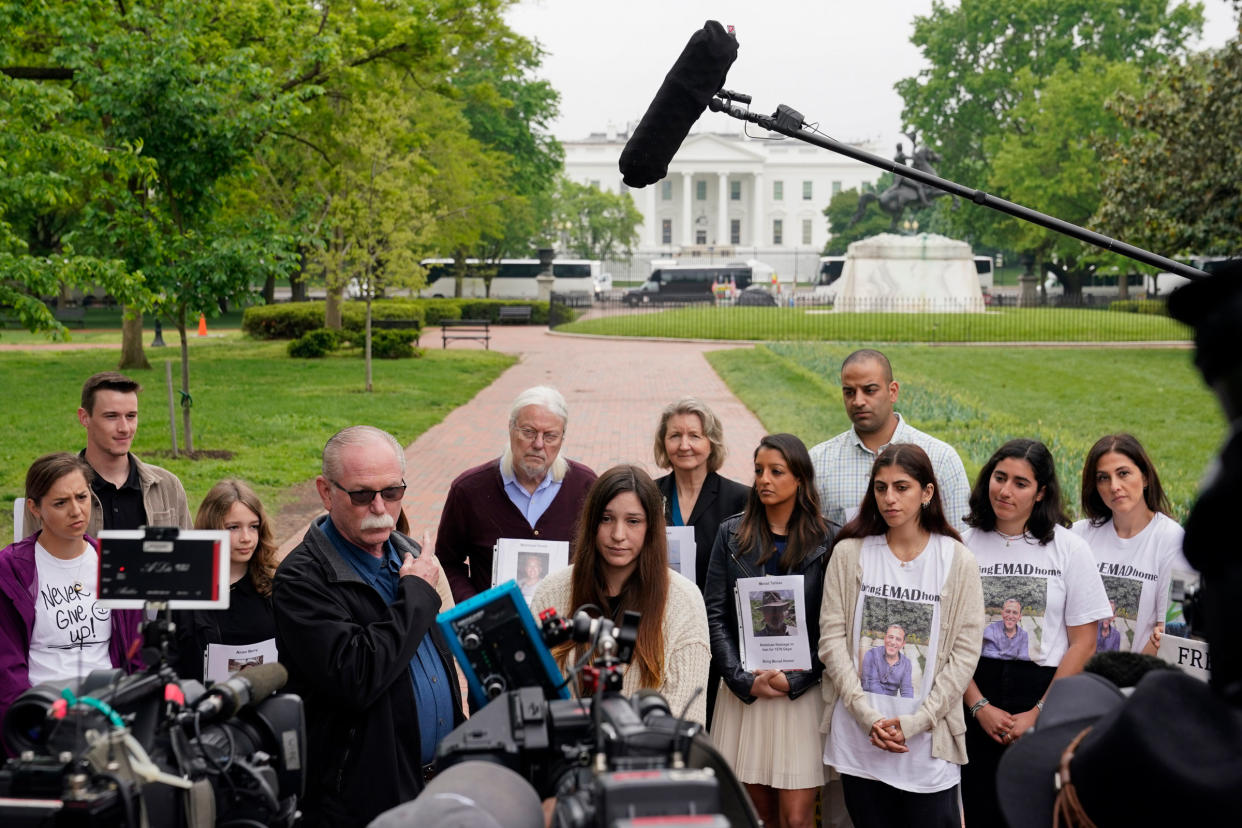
<point x="544" y="396"/>
<point x="356" y="436"/>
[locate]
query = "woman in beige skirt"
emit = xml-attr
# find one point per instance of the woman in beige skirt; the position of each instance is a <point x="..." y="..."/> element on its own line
<point x="766" y="722"/>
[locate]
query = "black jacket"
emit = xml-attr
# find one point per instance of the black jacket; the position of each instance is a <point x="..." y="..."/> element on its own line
<point x="348" y="655"/>
<point x="248" y="620"/>
<point x="728" y="564"/>
<point x="719" y="498"/>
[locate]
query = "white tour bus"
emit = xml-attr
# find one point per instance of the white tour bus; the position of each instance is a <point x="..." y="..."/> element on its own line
<point x="514" y="279"/>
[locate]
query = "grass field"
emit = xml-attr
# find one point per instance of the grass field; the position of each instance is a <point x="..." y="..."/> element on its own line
<point x="998" y="325"/>
<point x="977" y="398"/>
<point x="272" y="412"/>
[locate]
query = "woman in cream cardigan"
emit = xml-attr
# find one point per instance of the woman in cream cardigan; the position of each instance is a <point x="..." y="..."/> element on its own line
<point x="900" y="563"/>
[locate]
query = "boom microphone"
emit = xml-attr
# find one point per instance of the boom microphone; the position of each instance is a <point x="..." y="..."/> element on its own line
<point x="251" y="686"/>
<point x="698" y="74"/>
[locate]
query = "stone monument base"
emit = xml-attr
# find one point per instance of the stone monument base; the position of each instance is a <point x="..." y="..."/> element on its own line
<point x="926" y="273"/>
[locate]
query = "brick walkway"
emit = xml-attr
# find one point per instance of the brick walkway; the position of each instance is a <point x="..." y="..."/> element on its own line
<point x="615" y="390"/>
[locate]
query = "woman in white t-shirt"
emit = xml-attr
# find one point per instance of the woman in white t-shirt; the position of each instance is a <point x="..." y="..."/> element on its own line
<point x="899" y="565"/>
<point x="1026" y="554"/>
<point x="51" y="628"/>
<point x="1135" y="542"/>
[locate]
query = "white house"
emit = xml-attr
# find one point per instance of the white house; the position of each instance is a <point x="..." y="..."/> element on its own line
<point x="727" y="197"/>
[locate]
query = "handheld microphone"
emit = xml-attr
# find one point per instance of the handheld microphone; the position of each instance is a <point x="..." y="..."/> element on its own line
<point x="696" y="76"/>
<point x="251" y="686"/>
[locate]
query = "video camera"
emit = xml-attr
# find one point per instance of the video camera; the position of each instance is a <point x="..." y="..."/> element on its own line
<point x="607" y="759"/>
<point x="151" y="749"/>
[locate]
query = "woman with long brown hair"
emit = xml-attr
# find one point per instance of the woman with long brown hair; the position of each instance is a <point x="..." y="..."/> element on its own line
<point x="621" y="563"/>
<point x="248" y="623"/>
<point x="763" y="718"/>
<point x="901" y="589"/>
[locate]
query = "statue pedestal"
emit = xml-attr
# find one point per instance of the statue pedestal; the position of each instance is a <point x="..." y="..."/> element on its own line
<point x="544" y="281"/>
<point x="1028" y="290"/>
<point x="926" y="273"/>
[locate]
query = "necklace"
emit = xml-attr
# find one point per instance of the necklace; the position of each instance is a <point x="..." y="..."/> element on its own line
<point x="1011" y="538"/>
<point x="78" y="586"/>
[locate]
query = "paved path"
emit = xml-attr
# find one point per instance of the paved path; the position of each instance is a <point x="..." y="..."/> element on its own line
<point x="615" y="390"/>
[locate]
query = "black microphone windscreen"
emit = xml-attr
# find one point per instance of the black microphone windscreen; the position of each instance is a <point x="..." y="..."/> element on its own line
<point x="698" y="74"/>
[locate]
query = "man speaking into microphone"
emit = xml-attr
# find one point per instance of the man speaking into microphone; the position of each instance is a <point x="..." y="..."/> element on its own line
<point x="355" y="606"/>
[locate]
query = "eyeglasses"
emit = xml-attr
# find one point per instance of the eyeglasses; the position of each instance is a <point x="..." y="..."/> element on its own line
<point x="363" y="497"/>
<point x="550" y="438"/>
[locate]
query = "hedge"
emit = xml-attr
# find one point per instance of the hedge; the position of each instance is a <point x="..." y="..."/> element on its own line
<point x="293" y="320"/>
<point x="1152" y="307"/>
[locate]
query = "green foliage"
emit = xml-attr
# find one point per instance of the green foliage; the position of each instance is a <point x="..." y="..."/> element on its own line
<point x="490" y="309"/>
<point x="1173" y="186"/>
<point x="1011" y="47"/>
<point x="354" y="319"/>
<point x="393" y="345"/>
<point x="438" y="309"/>
<point x="976" y="403"/>
<point x="288" y="320"/>
<point x="594" y="223"/>
<point x="840" y="213"/>
<point x="315" y="344"/>
<point x="1156" y="307"/>
<point x="273" y="413"/>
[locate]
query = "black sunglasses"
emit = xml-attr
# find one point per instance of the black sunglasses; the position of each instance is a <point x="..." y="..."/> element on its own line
<point x="363" y="497"/>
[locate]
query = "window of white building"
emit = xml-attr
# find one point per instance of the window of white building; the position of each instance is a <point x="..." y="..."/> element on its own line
<point x="778" y="190"/>
<point x="700" y="191"/>
<point x="735" y="231"/>
<point x="836" y="187"/>
<point x="806" y="231"/>
<point x="666" y="190"/>
<point x="735" y="191"/>
<point x="778" y="232"/>
<point x="806" y="190"/>
<point x="666" y="231"/>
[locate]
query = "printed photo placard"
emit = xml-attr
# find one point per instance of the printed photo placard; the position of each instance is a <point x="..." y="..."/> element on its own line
<point x="527" y="562"/>
<point x="772" y="630"/>
<point x="892" y="646"/>
<point x="1015" y="606"/>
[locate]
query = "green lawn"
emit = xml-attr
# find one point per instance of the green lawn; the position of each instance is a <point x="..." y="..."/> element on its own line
<point x="819" y="324"/>
<point x="978" y="397"/>
<point x="272" y="412"/>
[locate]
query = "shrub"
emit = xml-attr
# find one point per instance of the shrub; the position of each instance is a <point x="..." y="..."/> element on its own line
<point x="490" y="309"/>
<point x="314" y="344"/>
<point x="392" y="345"/>
<point x="287" y="320"/>
<point x="1152" y="307"/>
<point x="354" y="314"/>
<point x="440" y="309"/>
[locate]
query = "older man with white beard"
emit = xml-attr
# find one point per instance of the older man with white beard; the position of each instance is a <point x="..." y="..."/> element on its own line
<point x="355" y="606"/>
<point x="530" y="491"/>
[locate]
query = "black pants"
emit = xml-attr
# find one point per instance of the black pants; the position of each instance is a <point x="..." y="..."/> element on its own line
<point x="1013" y="686"/>
<point x="873" y="804"/>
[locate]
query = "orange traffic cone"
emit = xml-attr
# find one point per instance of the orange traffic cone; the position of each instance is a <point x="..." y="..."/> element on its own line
<point x="202" y="324"/>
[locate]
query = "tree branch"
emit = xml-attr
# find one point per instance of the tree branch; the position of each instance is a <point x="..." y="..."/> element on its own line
<point x="300" y="140"/>
<point x="38" y="72"/>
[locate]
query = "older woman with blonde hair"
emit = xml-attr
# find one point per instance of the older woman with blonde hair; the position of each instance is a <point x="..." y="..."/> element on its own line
<point x="247" y="629"/>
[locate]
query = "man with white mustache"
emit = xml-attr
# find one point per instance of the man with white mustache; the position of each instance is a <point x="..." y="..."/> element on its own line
<point x="355" y="606"/>
<point x="532" y="491"/>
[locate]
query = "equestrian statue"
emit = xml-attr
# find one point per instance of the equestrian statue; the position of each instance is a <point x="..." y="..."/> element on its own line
<point x="904" y="193"/>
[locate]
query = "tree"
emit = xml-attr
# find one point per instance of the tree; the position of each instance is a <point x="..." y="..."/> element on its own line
<point x="840" y="213"/>
<point x="977" y="51"/>
<point x="596" y="224"/>
<point x="1050" y="159"/>
<point x="1175" y="185"/>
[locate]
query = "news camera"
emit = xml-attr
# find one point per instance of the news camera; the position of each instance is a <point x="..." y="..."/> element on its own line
<point x="150" y="748"/>
<point x="607" y="759"/>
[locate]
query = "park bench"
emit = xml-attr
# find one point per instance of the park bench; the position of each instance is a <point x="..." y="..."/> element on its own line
<point x="515" y="313"/>
<point x="466" y="329"/>
<point x="414" y="325"/>
<point x="71" y="316"/>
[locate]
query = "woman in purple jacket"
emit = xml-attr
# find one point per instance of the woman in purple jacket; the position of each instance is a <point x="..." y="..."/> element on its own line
<point x="51" y="628"/>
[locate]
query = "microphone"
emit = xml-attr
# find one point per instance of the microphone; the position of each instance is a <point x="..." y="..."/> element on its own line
<point x="254" y="684"/>
<point x="698" y="74"/>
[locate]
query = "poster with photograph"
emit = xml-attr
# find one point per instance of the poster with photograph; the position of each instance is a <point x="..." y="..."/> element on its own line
<point x="1116" y="634"/>
<point x="223" y="660"/>
<point x="1015" y="606"/>
<point x="772" y="616"/>
<point x="682" y="549"/>
<point x="894" y="636"/>
<point x="528" y="562"/>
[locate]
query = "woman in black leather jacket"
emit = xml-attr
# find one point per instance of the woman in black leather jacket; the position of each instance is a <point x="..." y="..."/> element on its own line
<point x="767" y="725"/>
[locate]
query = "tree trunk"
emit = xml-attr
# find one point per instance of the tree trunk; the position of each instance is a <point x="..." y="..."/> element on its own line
<point x="269" y="289"/>
<point x="132" y="354"/>
<point x="185" y="383"/>
<point x="332" y="310"/>
<point x="367" y="344"/>
<point x="1123" y="286"/>
<point x="297" y="287"/>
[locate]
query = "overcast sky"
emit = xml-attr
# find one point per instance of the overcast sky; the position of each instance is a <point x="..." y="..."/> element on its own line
<point x="835" y="61"/>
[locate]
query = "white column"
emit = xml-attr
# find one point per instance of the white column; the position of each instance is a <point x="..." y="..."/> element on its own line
<point x="653" y="221"/>
<point x="758" y="199"/>
<point x="722" y="209"/>
<point x="687" y="198"/>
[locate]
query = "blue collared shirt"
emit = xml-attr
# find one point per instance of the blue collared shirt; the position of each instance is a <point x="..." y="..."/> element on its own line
<point x="433" y="696"/>
<point x="532" y="506"/>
